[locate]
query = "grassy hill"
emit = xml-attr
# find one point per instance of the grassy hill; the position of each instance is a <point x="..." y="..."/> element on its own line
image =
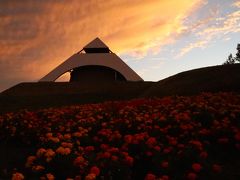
<point x="208" y="79"/>
<point x="53" y="94"/>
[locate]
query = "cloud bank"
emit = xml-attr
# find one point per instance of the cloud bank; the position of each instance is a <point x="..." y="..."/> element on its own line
<point x="217" y="26"/>
<point x="36" y="36"/>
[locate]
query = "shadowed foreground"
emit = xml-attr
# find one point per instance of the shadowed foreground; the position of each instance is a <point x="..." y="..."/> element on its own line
<point x="177" y="138"/>
<point x="50" y="94"/>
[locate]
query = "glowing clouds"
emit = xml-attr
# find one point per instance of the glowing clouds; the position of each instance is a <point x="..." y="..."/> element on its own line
<point x="43" y="34"/>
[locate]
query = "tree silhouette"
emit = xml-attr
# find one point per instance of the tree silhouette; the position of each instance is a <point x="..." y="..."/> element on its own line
<point x="237" y="58"/>
<point x="230" y="60"/>
<point x="233" y="60"/>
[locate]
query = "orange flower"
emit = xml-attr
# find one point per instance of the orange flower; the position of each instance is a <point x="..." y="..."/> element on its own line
<point x="77" y="134"/>
<point x="41" y="152"/>
<point x="54" y="139"/>
<point x="67" y="136"/>
<point x="17" y="176"/>
<point x="30" y="161"/>
<point x="38" y="168"/>
<point x="90" y="176"/>
<point x="49" y="153"/>
<point x="78" y="161"/>
<point x="49" y="135"/>
<point x="66" y="144"/>
<point x="50" y="176"/>
<point x="63" y="151"/>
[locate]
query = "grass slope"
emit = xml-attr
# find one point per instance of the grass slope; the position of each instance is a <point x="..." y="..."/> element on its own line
<point x="208" y="79"/>
<point x="56" y="94"/>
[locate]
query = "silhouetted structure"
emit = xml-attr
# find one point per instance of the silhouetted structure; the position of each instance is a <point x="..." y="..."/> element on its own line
<point x="93" y="64"/>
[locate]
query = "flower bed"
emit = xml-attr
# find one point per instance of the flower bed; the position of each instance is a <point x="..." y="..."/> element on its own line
<point x="191" y="138"/>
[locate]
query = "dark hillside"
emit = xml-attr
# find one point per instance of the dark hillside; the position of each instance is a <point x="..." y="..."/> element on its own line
<point x="53" y="94"/>
<point x="208" y="79"/>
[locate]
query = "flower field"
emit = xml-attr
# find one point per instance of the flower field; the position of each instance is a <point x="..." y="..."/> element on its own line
<point x="194" y="137"/>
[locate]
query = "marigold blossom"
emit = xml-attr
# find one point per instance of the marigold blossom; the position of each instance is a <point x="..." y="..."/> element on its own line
<point x="191" y="176"/>
<point x="90" y="176"/>
<point x="41" y="152"/>
<point x="17" y="176"/>
<point x="30" y="161"/>
<point x="95" y="170"/>
<point x="38" y="168"/>
<point x="150" y="176"/>
<point x="50" y="176"/>
<point x="165" y="164"/>
<point x="216" y="168"/>
<point x="196" y="167"/>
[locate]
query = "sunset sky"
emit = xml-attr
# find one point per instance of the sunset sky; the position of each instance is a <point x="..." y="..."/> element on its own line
<point x="156" y="38"/>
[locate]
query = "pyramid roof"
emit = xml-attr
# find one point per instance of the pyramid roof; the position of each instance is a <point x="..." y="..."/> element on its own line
<point x="108" y="59"/>
<point x="96" y="43"/>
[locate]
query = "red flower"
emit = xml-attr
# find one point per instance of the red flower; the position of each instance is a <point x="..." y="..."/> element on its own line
<point x="114" y="158"/>
<point x="129" y="160"/>
<point x="128" y="138"/>
<point x="104" y="124"/>
<point x="191" y="176"/>
<point x="149" y="153"/>
<point x="150" y="176"/>
<point x="151" y="142"/>
<point x="237" y="136"/>
<point x="216" y="168"/>
<point x="203" y="155"/>
<point x="165" y="164"/>
<point x="196" y="143"/>
<point x="95" y="170"/>
<point x="237" y="146"/>
<point x="157" y="148"/>
<point x="196" y="167"/>
<point x="104" y="147"/>
<point x="164" y="177"/>
<point x="78" y="161"/>
<point x="89" y="148"/>
<point x="106" y="155"/>
<point x="223" y="140"/>
<point x="167" y="150"/>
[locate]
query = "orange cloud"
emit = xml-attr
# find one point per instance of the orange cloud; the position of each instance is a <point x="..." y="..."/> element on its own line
<point x="43" y="34"/>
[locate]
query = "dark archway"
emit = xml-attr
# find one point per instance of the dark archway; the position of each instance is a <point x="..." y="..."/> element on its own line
<point x="95" y="74"/>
